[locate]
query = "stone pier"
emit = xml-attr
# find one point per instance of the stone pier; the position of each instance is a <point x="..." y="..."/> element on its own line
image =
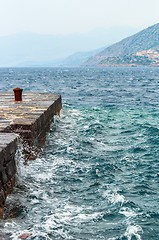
<point x="28" y="120"/>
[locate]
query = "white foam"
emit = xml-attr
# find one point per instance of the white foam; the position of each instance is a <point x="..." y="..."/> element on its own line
<point x="74" y="112"/>
<point x="135" y="231"/>
<point x="114" y="238"/>
<point x="87" y="217"/>
<point x="113" y="197"/>
<point x="70" y="214"/>
<point x="131" y="231"/>
<point x="127" y="212"/>
<point x="65" y="215"/>
<point x="10" y="225"/>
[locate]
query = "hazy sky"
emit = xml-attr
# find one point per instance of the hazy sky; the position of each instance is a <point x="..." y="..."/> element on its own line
<point x="74" y="16"/>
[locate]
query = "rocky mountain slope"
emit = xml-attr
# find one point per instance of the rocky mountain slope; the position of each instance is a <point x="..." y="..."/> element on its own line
<point x="130" y="50"/>
<point x="148" y="57"/>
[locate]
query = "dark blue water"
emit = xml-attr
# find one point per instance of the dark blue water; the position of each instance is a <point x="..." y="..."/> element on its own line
<point x="98" y="174"/>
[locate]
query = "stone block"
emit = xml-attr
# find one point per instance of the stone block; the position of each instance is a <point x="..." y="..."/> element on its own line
<point x="8" y="187"/>
<point x="11" y="168"/>
<point x="2" y="198"/>
<point x="1" y="159"/>
<point x="3" y="176"/>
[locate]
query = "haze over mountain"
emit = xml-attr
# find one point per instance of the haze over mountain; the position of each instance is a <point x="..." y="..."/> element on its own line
<point x="31" y="49"/>
<point x="141" y="48"/>
<point x="79" y="58"/>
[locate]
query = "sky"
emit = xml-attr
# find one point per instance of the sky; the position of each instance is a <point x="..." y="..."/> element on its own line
<point x="75" y="16"/>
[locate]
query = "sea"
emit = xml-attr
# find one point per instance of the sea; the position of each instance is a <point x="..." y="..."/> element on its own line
<point x="97" y="176"/>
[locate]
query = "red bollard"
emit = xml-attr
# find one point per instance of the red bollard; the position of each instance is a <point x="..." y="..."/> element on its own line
<point x="18" y="94"/>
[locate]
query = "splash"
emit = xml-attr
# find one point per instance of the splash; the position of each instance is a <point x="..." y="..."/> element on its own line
<point x="133" y="231"/>
<point x="113" y="197"/>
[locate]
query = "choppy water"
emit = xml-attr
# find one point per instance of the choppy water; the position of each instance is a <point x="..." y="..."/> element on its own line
<point x="98" y="175"/>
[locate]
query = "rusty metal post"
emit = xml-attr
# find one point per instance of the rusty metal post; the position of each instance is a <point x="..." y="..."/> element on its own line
<point x="18" y="94"/>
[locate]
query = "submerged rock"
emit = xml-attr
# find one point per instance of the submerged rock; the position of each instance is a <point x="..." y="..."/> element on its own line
<point x="25" y="235"/>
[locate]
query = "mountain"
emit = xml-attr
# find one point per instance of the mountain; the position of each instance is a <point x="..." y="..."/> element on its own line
<point x="79" y="58"/>
<point x="32" y="49"/>
<point x="148" y="57"/>
<point x="128" y="51"/>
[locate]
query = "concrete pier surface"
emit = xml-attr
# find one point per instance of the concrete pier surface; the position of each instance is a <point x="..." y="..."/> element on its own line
<point x="29" y="120"/>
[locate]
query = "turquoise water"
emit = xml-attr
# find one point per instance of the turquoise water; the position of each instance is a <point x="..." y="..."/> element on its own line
<point x="98" y="174"/>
